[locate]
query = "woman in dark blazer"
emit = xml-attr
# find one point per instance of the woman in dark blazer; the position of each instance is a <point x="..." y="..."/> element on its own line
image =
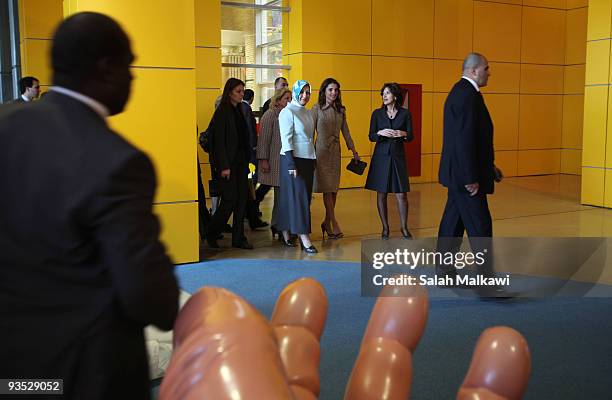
<point x="390" y="128"/>
<point x="229" y="161"/>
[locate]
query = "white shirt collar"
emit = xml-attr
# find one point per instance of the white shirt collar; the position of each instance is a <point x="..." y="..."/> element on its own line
<point x="472" y="82"/>
<point x="95" y="105"/>
<point x="25" y="98"/>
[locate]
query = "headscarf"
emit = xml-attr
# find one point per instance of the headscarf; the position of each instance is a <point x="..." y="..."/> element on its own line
<point x="297" y="89"/>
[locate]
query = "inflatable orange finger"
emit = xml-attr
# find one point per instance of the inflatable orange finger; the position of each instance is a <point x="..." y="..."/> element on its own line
<point x="500" y="367"/>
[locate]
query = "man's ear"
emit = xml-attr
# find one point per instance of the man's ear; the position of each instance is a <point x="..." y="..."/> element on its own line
<point x="105" y="69"/>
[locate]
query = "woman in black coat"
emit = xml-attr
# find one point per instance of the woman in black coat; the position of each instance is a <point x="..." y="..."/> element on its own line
<point x="390" y="128"/>
<point x="230" y="151"/>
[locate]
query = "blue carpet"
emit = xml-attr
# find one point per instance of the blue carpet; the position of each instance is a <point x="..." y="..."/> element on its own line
<point x="570" y="338"/>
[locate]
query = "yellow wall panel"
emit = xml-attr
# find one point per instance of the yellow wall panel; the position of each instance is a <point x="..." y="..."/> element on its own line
<point x="427" y="123"/>
<point x="595" y="124"/>
<point x="505" y="78"/>
<point x="608" y="189"/>
<point x="435" y="167"/>
<point x="504" y="110"/>
<point x="426" y="170"/>
<point x="205" y="102"/>
<point x="349" y="179"/>
<point x="155" y="41"/>
<point x="541" y="79"/>
<point x="507" y="161"/>
<point x="292" y="37"/>
<point x="353" y="72"/>
<point x="545" y="3"/>
<point x="593" y="182"/>
<point x="296" y="71"/>
<point x="497" y="31"/>
<point x="438" y="120"/>
<point x="40" y="18"/>
<point x="446" y="74"/>
<point x="539" y="162"/>
<point x="402" y="28"/>
<point x="36" y="53"/>
<point x="208" y="68"/>
<point x="571" y="161"/>
<point x="600" y="12"/>
<point x="336" y="27"/>
<point x="574" y="79"/>
<point x="576" y="36"/>
<point x="160" y="119"/>
<point x="577" y="3"/>
<point x="609" y="136"/>
<point x="453" y="27"/>
<point x="207" y="23"/>
<point x="540" y="122"/>
<point x="597" y="62"/>
<point x="573" y="111"/>
<point x="402" y="70"/>
<point x="543" y="38"/>
<point x="179" y="230"/>
<point x="358" y="111"/>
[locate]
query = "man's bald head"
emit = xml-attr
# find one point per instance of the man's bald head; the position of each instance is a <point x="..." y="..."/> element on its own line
<point x="476" y="67"/>
<point x="91" y="52"/>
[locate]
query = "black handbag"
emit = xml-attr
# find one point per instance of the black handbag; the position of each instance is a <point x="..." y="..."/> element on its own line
<point x="357" y="167"/>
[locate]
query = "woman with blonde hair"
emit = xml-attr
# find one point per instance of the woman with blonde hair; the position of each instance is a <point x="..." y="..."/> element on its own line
<point x="268" y="152"/>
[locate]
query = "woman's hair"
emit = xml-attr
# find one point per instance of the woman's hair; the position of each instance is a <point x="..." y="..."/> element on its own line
<point x="322" y="101"/>
<point x="278" y="94"/>
<point x="230" y="85"/>
<point x="396" y="91"/>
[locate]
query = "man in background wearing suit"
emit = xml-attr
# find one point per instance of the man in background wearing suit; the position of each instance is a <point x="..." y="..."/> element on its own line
<point x="29" y="87"/>
<point x="82" y="270"/>
<point x="467" y="166"/>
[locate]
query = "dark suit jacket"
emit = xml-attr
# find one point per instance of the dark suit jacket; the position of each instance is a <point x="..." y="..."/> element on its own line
<point x="82" y="271"/>
<point x="467" y="149"/>
<point x="251" y="124"/>
<point x="265" y="107"/>
<point x="230" y="143"/>
<point x="18" y="100"/>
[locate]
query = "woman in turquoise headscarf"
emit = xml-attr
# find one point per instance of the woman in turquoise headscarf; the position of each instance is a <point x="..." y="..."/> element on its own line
<point x="297" y="165"/>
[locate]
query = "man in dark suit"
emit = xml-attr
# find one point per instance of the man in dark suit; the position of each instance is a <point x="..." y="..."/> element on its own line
<point x="82" y="270"/>
<point x="467" y="166"/>
<point x="29" y="89"/>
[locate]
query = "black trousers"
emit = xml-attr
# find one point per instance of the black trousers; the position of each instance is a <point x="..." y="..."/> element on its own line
<point x="466" y="213"/>
<point x="234" y="192"/>
<point x="205" y="217"/>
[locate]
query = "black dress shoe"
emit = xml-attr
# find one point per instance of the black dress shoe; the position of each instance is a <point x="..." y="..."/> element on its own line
<point x="385" y="234"/>
<point x="286" y="243"/>
<point x="212" y="243"/>
<point x="258" y="224"/>
<point x="406" y="233"/>
<point x="309" y="250"/>
<point x="243" y="245"/>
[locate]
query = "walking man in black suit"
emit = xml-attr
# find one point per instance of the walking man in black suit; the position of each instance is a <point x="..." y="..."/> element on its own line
<point x="82" y="270"/>
<point x="467" y="166"/>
